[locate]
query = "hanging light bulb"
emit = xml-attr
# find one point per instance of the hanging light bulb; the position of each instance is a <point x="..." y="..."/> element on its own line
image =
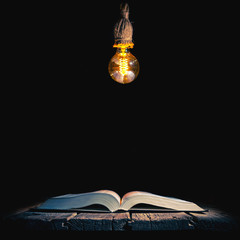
<point x="123" y="66"/>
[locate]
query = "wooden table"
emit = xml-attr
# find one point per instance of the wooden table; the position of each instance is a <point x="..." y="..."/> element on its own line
<point x="214" y="220"/>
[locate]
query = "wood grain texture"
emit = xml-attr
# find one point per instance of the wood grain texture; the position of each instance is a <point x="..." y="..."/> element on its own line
<point x="161" y="222"/>
<point x="214" y="220"/>
<point x="99" y="222"/>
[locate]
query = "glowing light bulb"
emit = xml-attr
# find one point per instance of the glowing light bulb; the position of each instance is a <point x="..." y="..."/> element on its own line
<point x="123" y="66"/>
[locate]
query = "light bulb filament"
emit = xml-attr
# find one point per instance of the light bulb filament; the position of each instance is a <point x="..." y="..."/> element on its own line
<point x="123" y="68"/>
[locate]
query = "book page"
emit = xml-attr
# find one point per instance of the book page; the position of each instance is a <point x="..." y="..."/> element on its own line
<point x="114" y="194"/>
<point x="107" y="198"/>
<point x="133" y="198"/>
<point x="133" y="194"/>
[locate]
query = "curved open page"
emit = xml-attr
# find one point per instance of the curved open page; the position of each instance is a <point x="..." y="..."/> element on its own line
<point x="107" y="198"/>
<point x="133" y="198"/>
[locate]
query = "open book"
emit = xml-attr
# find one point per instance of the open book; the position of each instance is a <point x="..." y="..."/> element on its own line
<point x="112" y="201"/>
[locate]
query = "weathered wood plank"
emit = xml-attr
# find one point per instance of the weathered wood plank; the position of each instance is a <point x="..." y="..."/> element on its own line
<point x="140" y="222"/>
<point x="39" y="221"/>
<point x="161" y="222"/>
<point x="99" y="222"/>
<point x="170" y="221"/>
<point x="91" y="222"/>
<point x="214" y="220"/>
<point x="120" y="221"/>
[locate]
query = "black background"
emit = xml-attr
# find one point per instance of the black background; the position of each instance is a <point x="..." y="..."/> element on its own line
<point x="68" y="127"/>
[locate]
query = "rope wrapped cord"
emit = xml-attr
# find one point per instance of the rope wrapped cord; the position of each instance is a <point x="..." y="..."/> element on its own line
<point x="123" y="29"/>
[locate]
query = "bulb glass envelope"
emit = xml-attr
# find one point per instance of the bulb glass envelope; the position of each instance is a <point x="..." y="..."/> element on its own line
<point x="123" y="67"/>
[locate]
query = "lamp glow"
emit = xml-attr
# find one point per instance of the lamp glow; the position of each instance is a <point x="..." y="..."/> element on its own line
<point x="123" y="66"/>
